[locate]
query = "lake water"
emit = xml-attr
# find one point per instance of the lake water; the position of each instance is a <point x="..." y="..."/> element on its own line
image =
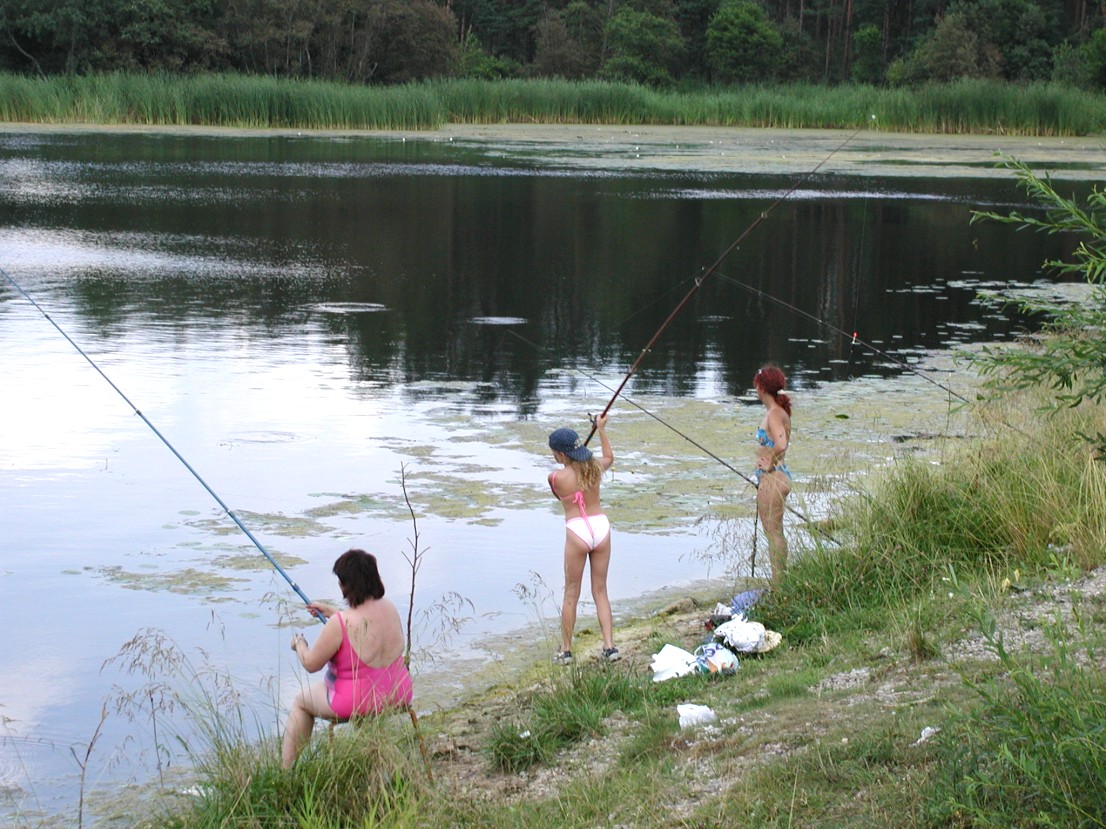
<point x="314" y="321"/>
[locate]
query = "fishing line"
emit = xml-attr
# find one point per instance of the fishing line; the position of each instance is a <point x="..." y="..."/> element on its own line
<point x="154" y="429"/>
<point x="701" y="278"/>
<point x="856" y="276"/>
<point x="855" y="339"/>
<point x="685" y="436"/>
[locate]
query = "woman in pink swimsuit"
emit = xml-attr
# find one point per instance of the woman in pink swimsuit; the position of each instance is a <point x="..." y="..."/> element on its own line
<point x="362" y="649"/>
<point x="587" y="531"/>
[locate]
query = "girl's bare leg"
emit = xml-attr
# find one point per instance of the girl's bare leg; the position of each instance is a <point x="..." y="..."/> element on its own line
<point x="309" y="704"/>
<point x="600" y="559"/>
<point x="771" y="492"/>
<point x="576" y="555"/>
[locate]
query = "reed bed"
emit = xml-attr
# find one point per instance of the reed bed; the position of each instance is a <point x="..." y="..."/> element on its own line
<point x="239" y="101"/>
<point x="260" y="102"/>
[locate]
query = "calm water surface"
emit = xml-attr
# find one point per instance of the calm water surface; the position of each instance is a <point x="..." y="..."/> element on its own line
<point x="309" y="320"/>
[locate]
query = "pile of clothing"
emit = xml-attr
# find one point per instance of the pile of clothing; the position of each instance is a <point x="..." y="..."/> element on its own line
<point x="732" y="634"/>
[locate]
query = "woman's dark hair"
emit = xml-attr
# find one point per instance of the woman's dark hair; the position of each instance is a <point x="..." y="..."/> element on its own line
<point x="358" y="577"/>
<point x="771" y="381"/>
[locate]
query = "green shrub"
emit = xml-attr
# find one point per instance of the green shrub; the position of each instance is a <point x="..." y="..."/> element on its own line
<point x="1033" y="753"/>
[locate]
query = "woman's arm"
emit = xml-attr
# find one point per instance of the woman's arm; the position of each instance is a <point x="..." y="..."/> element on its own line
<point x="605" y="445"/>
<point x="319" y="607"/>
<point x="314" y="657"/>
<point x="777" y="431"/>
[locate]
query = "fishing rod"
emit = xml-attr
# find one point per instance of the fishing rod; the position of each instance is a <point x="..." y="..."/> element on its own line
<point x="154" y="429"/>
<point x="701" y="278"/>
<point x="685" y="436"/>
<point x="856" y="339"/>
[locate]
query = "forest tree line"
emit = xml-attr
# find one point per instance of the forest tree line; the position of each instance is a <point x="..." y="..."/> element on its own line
<point x="663" y="43"/>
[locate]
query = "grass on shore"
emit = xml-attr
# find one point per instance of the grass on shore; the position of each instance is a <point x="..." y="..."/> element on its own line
<point x="261" y="102"/>
<point x="906" y="693"/>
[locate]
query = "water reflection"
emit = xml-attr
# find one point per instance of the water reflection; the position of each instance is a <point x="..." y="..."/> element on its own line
<point x="275" y="232"/>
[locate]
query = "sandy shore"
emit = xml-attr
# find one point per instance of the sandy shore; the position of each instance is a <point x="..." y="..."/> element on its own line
<point x="715" y="149"/>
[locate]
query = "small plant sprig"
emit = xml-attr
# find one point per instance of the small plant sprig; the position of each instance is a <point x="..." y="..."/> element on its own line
<point x="82" y="762"/>
<point x="414" y="560"/>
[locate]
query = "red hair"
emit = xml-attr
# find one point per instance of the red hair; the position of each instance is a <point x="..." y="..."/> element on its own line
<point x="771" y="381"/>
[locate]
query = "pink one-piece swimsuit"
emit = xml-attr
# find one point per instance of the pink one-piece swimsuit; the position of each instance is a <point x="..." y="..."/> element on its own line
<point x="354" y="687"/>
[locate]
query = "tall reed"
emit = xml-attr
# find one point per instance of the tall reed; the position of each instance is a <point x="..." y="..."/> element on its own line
<point x="263" y="102"/>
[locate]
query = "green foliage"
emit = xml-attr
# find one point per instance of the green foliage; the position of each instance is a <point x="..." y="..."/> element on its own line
<point x="394" y="40"/>
<point x="1008" y="39"/>
<point x="644" y="48"/>
<point x="416" y="40"/>
<point x="571" y="709"/>
<point x="1072" y="360"/>
<point x="97" y="35"/>
<point x="1018" y="30"/>
<point x="1033" y="753"/>
<point x="867" y="55"/>
<point x="954" y="50"/>
<point x="556" y="55"/>
<point x="1095" y="51"/>
<point x="800" y="59"/>
<point x="693" y="17"/>
<point x="1070" y="66"/>
<point x="476" y="63"/>
<point x="744" y="46"/>
<point x="225" y="100"/>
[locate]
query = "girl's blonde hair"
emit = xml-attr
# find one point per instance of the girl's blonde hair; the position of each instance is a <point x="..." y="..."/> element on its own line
<point x="588" y="473"/>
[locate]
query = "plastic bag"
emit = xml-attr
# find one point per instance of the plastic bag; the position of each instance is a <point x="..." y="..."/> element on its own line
<point x="742" y="635"/>
<point x="692" y="714"/>
<point x="743" y="602"/>
<point x="715" y="659"/>
<point x="671" y="661"/>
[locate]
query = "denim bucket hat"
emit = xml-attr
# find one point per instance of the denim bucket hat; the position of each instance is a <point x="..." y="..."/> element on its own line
<point x="568" y="443"/>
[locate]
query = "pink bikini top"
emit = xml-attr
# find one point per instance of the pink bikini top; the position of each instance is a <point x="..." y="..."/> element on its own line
<point x="577" y="497"/>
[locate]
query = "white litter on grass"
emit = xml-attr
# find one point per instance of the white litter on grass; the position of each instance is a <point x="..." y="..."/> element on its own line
<point x="671" y="662"/>
<point x="692" y="714"/>
<point x="927" y="732"/>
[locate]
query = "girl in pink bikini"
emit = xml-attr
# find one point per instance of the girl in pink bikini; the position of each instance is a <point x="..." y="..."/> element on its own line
<point x="587" y="531"/>
<point x="362" y="649"/>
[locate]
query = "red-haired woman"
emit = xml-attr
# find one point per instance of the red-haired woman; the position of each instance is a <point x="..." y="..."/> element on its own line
<point x="773" y="477"/>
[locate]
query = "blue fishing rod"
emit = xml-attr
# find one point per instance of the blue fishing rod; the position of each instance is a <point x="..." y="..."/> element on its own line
<point x="163" y="439"/>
